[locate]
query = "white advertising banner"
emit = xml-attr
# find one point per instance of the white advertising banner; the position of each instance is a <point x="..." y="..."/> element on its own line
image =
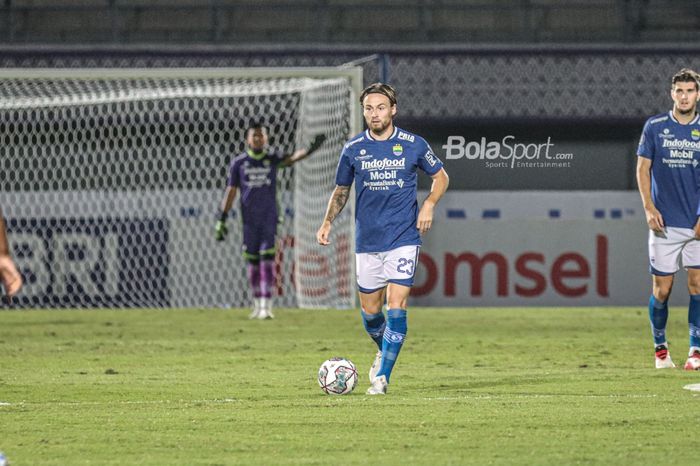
<point x="530" y="262"/>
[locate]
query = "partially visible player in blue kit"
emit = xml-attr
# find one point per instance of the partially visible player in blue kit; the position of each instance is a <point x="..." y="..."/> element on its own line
<point x="9" y="275"/>
<point x="667" y="175"/>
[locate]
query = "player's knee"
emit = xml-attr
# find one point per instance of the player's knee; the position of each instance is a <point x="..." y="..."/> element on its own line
<point x="397" y="302"/>
<point x="372" y="309"/>
<point x="694" y="285"/>
<point x="661" y="286"/>
<point x="662" y="291"/>
<point x="372" y="306"/>
<point x="397" y="296"/>
<point x="372" y="303"/>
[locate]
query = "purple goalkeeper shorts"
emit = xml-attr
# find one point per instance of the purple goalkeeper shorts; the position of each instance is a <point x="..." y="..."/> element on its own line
<point x="259" y="239"/>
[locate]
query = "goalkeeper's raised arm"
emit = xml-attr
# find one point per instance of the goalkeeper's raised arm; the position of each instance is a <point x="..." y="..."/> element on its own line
<point x="301" y="154"/>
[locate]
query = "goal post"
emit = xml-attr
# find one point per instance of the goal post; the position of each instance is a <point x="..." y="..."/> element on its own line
<point x="110" y="180"/>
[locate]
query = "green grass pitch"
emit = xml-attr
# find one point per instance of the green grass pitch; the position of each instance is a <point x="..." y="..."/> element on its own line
<point x="532" y="386"/>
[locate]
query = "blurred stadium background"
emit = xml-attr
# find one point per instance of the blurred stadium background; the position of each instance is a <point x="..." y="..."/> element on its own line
<point x="572" y="80"/>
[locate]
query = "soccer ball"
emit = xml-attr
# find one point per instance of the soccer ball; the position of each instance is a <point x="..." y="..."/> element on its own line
<point x="337" y="376"/>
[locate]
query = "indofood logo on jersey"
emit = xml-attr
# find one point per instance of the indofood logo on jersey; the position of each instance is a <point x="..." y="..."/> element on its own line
<point x="384" y="164"/>
<point x="383" y="173"/>
<point x="682" y="152"/>
<point x="681" y="144"/>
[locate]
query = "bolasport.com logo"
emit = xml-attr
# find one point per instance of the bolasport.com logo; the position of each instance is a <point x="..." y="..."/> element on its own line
<point x="507" y="153"/>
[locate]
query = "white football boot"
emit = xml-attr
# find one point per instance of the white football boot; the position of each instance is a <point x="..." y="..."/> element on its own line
<point x="693" y="362"/>
<point x="265" y="309"/>
<point x="256" y="309"/>
<point x="663" y="357"/>
<point x="378" y="387"/>
<point x="376" y="364"/>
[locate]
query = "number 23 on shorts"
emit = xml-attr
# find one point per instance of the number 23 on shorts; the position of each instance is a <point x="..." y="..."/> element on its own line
<point x="405" y="266"/>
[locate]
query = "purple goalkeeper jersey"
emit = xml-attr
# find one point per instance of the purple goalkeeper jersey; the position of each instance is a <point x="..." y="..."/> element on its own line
<point x="256" y="178"/>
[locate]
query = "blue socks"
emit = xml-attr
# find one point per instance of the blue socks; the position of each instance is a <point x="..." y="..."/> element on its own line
<point x="694" y="320"/>
<point x="658" y="316"/>
<point x="374" y="324"/>
<point x="394" y="335"/>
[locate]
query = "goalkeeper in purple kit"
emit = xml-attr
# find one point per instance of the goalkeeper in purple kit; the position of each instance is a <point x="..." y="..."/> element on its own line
<point x="254" y="174"/>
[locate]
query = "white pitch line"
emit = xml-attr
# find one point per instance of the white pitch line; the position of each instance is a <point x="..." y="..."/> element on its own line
<point x="508" y="396"/>
<point x="119" y="402"/>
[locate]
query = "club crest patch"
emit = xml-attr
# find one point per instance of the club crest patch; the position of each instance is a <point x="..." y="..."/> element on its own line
<point x="397" y="149"/>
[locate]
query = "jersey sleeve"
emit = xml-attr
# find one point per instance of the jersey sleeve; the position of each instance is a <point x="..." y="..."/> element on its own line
<point x="345" y="173"/>
<point x="427" y="160"/>
<point x="276" y="158"/>
<point x="233" y="174"/>
<point x="646" y="143"/>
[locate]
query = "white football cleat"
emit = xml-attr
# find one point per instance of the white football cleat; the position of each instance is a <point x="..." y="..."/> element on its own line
<point x="265" y="309"/>
<point x="663" y="357"/>
<point x="256" y="309"/>
<point x="693" y="362"/>
<point x="376" y="364"/>
<point x="378" y="386"/>
<point x="265" y="314"/>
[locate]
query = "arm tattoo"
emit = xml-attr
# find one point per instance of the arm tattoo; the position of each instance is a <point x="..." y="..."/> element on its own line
<point x="337" y="202"/>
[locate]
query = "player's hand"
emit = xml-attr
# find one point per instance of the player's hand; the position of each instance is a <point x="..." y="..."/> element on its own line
<point x="324" y="233"/>
<point x="654" y="219"/>
<point x="425" y="217"/>
<point x="11" y="279"/>
<point x="220" y="230"/>
<point x="316" y="143"/>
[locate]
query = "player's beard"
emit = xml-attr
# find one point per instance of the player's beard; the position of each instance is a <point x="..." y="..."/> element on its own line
<point x="690" y="111"/>
<point x="381" y="128"/>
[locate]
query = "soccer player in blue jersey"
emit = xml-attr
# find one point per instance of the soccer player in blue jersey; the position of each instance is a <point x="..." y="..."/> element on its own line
<point x="10" y="277"/>
<point x="254" y="174"/>
<point x="383" y="162"/>
<point x="668" y="154"/>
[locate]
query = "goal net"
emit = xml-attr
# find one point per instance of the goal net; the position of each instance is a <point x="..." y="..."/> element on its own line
<point x="111" y="182"/>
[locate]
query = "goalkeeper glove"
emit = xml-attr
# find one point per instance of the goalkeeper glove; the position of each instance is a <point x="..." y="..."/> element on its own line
<point x="316" y="143"/>
<point x="220" y="228"/>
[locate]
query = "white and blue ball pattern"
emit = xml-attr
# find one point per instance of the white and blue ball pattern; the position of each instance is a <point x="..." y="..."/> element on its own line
<point x="337" y="376"/>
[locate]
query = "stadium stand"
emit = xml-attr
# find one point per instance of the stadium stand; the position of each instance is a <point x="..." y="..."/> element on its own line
<point x="331" y="21"/>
